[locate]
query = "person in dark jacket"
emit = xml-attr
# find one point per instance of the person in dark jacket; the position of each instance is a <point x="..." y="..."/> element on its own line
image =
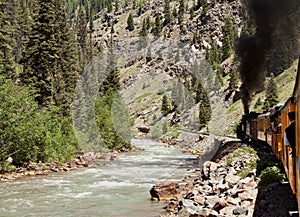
<point x="290" y="134"/>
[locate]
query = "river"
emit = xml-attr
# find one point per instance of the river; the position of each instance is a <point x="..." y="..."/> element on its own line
<point x="116" y="189"/>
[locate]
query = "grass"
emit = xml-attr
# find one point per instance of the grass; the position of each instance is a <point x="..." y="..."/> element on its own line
<point x="248" y="166"/>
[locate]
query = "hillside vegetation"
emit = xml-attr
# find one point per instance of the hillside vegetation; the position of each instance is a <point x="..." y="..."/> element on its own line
<point x="83" y="76"/>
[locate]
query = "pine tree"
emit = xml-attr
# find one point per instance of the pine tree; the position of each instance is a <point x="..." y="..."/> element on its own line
<point x="181" y="7"/>
<point x="213" y="55"/>
<point x="148" y="23"/>
<point x="205" y="111"/>
<point x="50" y="58"/>
<point x="165" y="105"/>
<point x="174" y="13"/>
<point x="130" y="24"/>
<point x="180" y="19"/>
<point x="7" y="42"/>
<point x="229" y="34"/>
<point x="233" y="80"/>
<point x="167" y="12"/>
<point x="112" y="80"/>
<point x="82" y="36"/>
<point x="272" y="97"/>
<point x="148" y="55"/>
<point x="109" y="6"/>
<point x="116" y="6"/>
<point x="157" y="27"/>
<point x="21" y="23"/>
<point x="143" y="42"/>
<point x="203" y="4"/>
<point x="192" y="13"/>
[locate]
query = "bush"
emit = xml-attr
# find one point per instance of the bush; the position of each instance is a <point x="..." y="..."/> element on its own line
<point x="271" y="175"/>
<point x="29" y="134"/>
<point x="112" y="121"/>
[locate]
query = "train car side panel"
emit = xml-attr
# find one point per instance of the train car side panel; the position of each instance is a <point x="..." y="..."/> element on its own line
<point x="296" y="96"/>
<point x="288" y="160"/>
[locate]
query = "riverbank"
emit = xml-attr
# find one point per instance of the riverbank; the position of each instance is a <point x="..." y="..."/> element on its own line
<point x="89" y="159"/>
<point x="228" y="184"/>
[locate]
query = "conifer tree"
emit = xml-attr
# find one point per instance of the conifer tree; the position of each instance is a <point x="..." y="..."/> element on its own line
<point x="174" y="13"/>
<point x="181" y="7"/>
<point x="205" y="111"/>
<point x="7" y="42"/>
<point x="50" y="58"/>
<point x="148" y="23"/>
<point x="192" y="13"/>
<point x="213" y="55"/>
<point x="167" y="12"/>
<point x="180" y="18"/>
<point x="165" y="105"/>
<point x="21" y="22"/>
<point x="143" y="35"/>
<point x="109" y="6"/>
<point x="82" y="35"/>
<point x="157" y="27"/>
<point x="229" y="33"/>
<point x="272" y="97"/>
<point x="130" y="24"/>
<point x="148" y="55"/>
<point x="116" y="5"/>
<point x="233" y="80"/>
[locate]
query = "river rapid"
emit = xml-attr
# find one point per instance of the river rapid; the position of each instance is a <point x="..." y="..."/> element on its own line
<point x="116" y="189"/>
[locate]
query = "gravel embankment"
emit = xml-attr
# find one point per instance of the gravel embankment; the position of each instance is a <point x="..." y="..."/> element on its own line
<point x="229" y="185"/>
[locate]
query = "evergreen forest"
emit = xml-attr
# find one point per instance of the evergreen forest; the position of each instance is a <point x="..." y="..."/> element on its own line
<point x="43" y="50"/>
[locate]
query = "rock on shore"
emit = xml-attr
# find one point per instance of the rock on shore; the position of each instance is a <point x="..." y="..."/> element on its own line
<point x="89" y="159"/>
<point x="226" y="185"/>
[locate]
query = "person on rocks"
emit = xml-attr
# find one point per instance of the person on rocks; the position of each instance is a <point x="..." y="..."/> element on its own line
<point x="289" y="138"/>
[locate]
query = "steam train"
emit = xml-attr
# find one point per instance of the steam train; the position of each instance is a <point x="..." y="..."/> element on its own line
<point x="270" y="127"/>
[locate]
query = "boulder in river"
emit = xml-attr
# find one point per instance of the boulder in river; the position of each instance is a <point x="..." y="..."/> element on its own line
<point x="164" y="191"/>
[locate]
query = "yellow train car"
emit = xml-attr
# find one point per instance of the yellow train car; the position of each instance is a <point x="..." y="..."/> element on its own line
<point x="296" y="98"/>
<point x="286" y="151"/>
<point x="271" y="127"/>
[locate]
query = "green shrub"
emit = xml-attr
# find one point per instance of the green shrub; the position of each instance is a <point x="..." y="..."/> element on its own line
<point x="112" y="121"/>
<point x="28" y="133"/>
<point x="244" y="172"/>
<point x="271" y="175"/>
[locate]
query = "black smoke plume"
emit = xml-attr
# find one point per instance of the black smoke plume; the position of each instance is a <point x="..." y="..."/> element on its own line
<point x="274" y="46"/>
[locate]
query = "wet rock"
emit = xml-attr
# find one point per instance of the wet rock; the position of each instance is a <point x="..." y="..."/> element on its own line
<point x="54" y="169"/>
<point x="240" y="211"/>
<point x="144" y="129"/>
<point x="113" y="158"/>
<point x="164" y="191"/>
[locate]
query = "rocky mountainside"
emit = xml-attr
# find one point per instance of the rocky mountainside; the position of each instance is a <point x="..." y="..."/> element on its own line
<point x="166" y="63"/>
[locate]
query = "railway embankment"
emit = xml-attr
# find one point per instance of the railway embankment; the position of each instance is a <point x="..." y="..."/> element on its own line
<point x="234" y="182"/>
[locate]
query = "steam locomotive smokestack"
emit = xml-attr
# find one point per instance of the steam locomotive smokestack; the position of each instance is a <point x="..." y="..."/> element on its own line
<point x="274" y="46"/>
